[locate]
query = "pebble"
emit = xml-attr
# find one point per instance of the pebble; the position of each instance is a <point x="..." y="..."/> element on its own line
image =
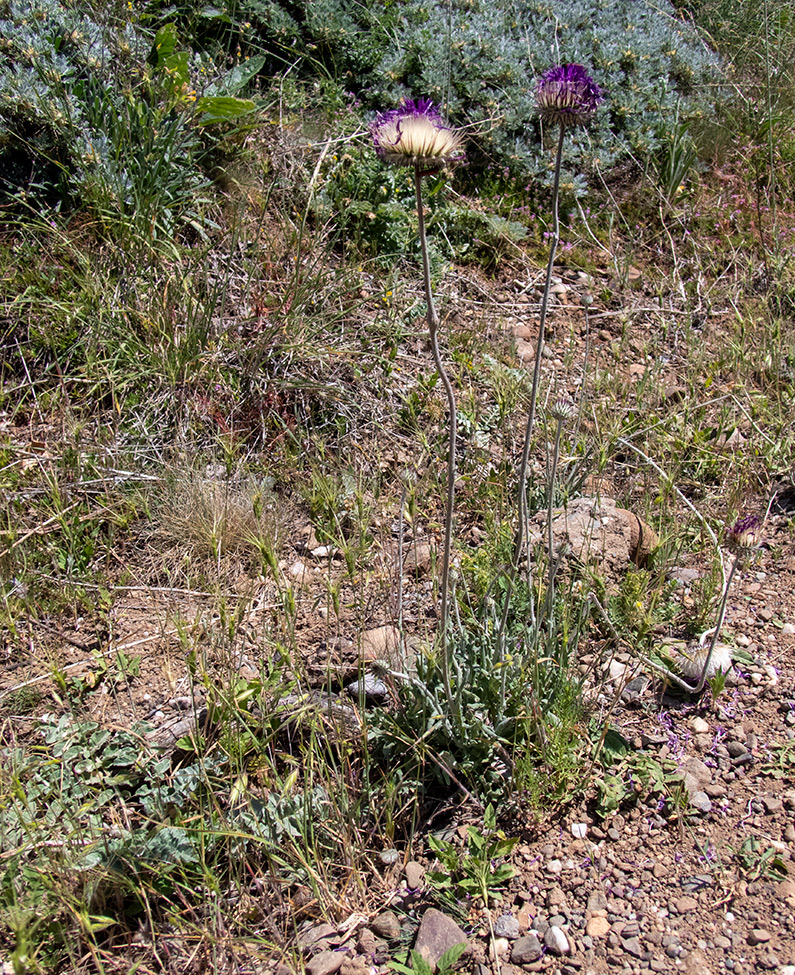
<point x="314" y="934"/>
<point x="788" y="629"/>
<point x="415" y="873"/>
<point x="499" y="947"/>
<point x="579" y="830"/>
<point x="598" y="927"/>
<point x="700" y="801"/>
<point x="759" y="936"/>
<point x="699" y="726"/>
<point x="386" y="925"/>
<point x="597" y="901"/>
<point x="526" y="950"/>
<point x="684" y="905"/>
<point x="506" y="926"/>
<point x="556" y="942"/>
<point x="325" y="963"/>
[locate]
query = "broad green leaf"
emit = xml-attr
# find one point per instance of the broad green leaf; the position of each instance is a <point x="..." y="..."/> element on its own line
<point x="220" y="108"/>
<point x="237" y="77"/>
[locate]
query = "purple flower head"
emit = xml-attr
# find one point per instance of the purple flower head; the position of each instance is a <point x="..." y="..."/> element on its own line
<point x="416" y="135"/>
<point x="744" y="534"/>
<point x="562" y="408"/>
<point x="567" y="95"/>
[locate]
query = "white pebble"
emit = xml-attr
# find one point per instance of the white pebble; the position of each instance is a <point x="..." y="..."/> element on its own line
<point x="788" y="630"/>
<point x="579" y="830"/>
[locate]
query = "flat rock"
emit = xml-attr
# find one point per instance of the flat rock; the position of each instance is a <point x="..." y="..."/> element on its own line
<point x="437" y="934"/>
<point x="506" y="926"/>
<point x="598" y="927"/>
<point x="370" y="687"/>
<point x="418" y="560"/>
<point x="526" y="950"/>
<point x="325" y="963"/>
<point x="697" y="775"/>
<point x="590" y="530"/>
<point x="386" y="925"/>
<point x="314" y="934"/>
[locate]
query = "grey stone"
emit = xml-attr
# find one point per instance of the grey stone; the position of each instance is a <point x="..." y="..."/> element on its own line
<point x="506" y="926"/>
<point x="597" y="901"/>
<point x="526" y="950"/>
<point x="386" y="925"/>
<point x="700" y="801"/>
<point x="735" y="748"/>
<point x="556" y="942"/>
<point x="633" y="947"/>
<point x="437" y="934"/>
<point x="370" y="687"/>
<point x="325" y="963"/>
<point x="314" y="934"/>
<point x="415" y="874"/>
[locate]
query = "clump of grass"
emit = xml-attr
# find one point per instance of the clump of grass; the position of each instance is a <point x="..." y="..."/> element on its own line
<point x="211" y="515"/>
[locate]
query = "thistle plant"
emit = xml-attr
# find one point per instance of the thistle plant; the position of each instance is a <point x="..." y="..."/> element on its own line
<point x="566" y="96"/>
<point x="417" y="136"/>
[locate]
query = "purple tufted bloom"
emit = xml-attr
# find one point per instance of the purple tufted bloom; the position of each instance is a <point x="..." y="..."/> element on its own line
<point x="416" y="135"/>
<point x="744" y="534"/>
<point x="567" y="95"/>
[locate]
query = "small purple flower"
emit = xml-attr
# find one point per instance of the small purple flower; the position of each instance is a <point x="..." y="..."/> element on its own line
<point x="416" y="135"/>
<point x="744" y="534"/>
<point x="567" y="95"/>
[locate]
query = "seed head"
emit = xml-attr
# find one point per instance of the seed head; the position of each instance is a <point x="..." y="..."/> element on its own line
<point x="567" y="95"/>
<point x="416" y="135"/>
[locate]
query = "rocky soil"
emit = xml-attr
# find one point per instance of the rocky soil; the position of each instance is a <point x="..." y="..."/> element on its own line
<point x="695" y="876"/>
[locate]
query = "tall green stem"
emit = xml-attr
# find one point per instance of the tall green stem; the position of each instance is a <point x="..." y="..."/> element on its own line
<point x="721" y="615"/>
<point x="550" y="508"/>
<point x="433" y="329"/>
<point x="531" y="416"/>
<point x="521" y="527"/>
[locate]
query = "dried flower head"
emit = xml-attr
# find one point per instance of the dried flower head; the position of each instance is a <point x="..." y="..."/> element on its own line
<point x="416" y="135"/>
<point x="744" y="535"/>
<point x="562" y="408"/>
<point x="690" y="663"/>
<point x="567" y="95"/>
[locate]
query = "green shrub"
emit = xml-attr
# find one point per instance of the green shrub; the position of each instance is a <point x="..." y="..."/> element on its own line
<point x="103" y="114"/>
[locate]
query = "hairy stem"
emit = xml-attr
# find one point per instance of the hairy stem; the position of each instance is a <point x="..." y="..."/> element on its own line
<point x="433" y="329"/>
<point x="521" y="528"/>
